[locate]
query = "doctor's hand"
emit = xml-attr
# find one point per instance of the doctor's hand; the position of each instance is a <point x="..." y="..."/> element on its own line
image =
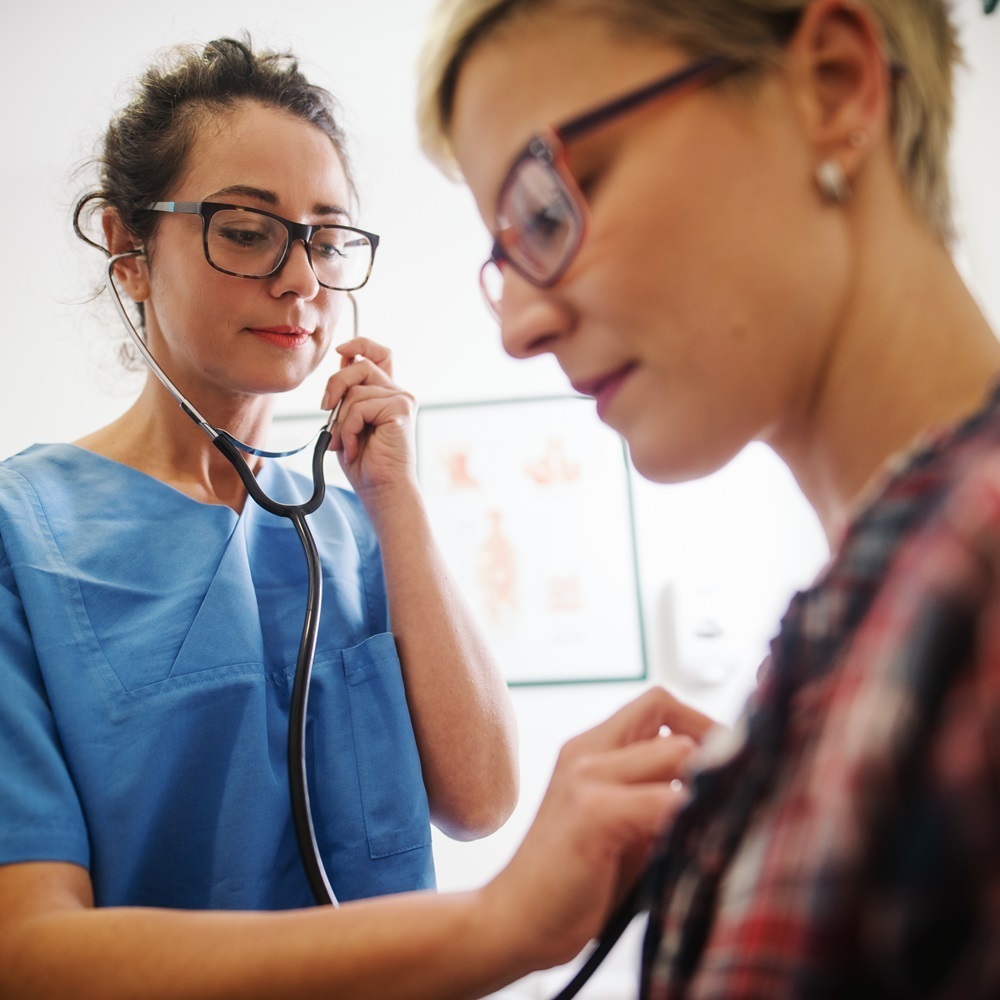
<point x="613" y="790"/>
<point x="373" y="433"/>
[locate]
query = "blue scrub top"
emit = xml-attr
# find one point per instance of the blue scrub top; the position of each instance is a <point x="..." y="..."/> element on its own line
<point x="147" y="651"/>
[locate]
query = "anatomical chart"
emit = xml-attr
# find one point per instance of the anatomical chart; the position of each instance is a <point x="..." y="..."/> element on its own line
<point x="530" y="501"/>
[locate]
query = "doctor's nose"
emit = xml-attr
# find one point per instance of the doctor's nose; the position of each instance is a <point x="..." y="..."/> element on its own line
<point x="296" y="273"/>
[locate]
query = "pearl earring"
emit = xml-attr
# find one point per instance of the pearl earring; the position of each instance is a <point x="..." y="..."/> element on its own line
<point x="832" y="181"/>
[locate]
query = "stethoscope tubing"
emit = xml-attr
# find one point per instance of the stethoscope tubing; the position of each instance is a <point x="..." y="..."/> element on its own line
<point x="298" y="783"/>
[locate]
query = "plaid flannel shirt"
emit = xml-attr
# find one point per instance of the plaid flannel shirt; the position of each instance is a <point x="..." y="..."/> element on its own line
<point x="848" y="843"/>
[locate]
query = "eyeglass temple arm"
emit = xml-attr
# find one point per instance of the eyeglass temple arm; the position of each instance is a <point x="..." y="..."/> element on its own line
<point x="584" y="123"/>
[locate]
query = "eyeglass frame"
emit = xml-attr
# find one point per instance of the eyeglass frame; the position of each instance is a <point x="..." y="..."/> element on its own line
<point x="549" y="147"/>
<point x="296" y="231"/>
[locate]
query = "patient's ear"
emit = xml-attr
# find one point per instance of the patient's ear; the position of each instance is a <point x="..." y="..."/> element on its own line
<point x="842" y="78"/>
<point x="132" y="273"/>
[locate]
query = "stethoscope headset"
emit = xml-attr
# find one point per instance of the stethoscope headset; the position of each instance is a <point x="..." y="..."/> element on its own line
<point x="234" y="449"/>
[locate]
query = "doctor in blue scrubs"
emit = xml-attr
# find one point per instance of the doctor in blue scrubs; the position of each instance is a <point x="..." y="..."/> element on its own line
<point x="150" y="616"/>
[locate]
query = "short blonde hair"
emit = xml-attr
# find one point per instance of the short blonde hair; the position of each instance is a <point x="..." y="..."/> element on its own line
<point x="918" y="36"/>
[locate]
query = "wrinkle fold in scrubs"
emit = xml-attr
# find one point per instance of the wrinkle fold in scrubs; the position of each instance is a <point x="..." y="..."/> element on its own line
<point x="147" y="652"/>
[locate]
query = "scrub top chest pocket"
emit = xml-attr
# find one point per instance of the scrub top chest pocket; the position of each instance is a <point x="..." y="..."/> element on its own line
<point x="393" y="800"/>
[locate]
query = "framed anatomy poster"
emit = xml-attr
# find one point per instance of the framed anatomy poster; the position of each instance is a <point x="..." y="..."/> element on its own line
<point x="531" y="503"/>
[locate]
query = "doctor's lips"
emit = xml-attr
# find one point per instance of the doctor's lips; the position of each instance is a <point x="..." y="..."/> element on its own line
<point x="604" y="387"/>
<point x="282" y="336"/>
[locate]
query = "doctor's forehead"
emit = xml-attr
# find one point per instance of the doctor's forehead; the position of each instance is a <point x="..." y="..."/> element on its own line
<point x="267" y="155"/>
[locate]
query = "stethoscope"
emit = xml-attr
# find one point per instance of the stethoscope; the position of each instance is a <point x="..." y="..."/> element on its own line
<point x="305" y="832"/>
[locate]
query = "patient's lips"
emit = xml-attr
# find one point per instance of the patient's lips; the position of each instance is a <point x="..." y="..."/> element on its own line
<point x="605" y="387"/>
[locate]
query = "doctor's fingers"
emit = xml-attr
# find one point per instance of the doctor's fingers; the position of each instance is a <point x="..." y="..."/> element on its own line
<point x="378" y="354"/>
<point x="658" y="759"/>
<point x="374" y="404"/>
<point x="639" y="719"/>
<point x="367" y="409"/>
<point x="633" y="817"/>
<point x="684" y="720"/>
<point x="359" y="371"/>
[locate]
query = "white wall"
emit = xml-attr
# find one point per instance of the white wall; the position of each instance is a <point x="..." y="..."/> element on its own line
<point x="732" y="546"/>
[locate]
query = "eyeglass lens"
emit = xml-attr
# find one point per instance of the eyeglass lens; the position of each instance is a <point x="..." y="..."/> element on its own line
<point x="540" y="222"/>
<point x="540" y="225"/>
<point x="253" y="245"/>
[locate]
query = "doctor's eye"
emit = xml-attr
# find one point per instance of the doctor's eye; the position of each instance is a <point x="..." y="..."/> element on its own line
<point x="245" y="235"/>
<point x="329" y="247"/>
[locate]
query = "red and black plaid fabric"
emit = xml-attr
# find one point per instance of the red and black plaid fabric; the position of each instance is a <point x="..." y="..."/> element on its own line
<point x="847" y="844"/>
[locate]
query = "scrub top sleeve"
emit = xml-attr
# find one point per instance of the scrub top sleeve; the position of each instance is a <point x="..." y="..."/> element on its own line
<point x="40" y="814"/>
